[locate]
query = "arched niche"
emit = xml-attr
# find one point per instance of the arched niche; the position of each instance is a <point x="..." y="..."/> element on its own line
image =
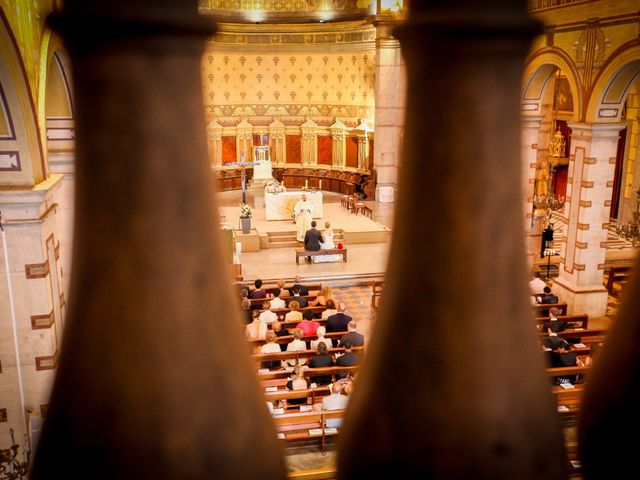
<point x="56" y="105"/>
<point x="538" y="71"/>
<point x="612" y="86"/>
<point x="21" y="157"/>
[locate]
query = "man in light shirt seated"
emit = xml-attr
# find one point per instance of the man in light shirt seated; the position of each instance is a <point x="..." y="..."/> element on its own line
<point x="267" y="316"/>
<point x="338" y="400"/>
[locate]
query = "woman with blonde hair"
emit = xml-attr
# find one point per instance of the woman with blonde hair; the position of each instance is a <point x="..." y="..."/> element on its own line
<point x="323" y="296"/>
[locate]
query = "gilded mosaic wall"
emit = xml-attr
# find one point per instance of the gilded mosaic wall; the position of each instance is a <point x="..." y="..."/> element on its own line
<point x="281" y="84"/>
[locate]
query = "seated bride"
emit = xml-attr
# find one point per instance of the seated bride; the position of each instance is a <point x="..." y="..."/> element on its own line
<point x="327" y="235"/>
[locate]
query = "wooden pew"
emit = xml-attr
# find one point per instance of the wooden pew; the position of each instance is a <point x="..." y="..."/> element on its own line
<point x="308" y="372"/>
<point x="285" y="394"/>
<point x="314" y="253"/>
<point x="618" y="272"/>
<point x="307" y="338"/>
<point x="281" y="312"/>
<point x="297" y="426"/>
<point x="581" y="320"/>
<point x="538" y="308"/>
<point x="297" y="354"/>
<point x="577" y="332"/>
<point x="270" y="288"/>
<point x="286" y="298"/>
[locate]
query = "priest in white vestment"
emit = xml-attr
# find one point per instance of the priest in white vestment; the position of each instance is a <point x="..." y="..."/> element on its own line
<point x="302" y="211"/>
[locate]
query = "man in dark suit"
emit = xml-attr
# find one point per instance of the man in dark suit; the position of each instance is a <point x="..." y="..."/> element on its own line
<point x="296" y="283"/>
<point x="312" y="239"/>
<point x="349" y="359"/>
<point x="339" y="321"/>
<point x="302" y="302"/>
<point x="353" y="337"/>
<point x="554" y="325"/>
<point x="548" y="297"/>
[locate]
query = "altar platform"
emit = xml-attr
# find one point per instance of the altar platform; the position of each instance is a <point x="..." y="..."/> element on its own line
<point x="349" y="228"/>
<point x="277" y="259"/>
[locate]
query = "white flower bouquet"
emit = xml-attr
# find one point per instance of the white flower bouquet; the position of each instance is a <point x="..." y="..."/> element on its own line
<point x="245" y="210"/>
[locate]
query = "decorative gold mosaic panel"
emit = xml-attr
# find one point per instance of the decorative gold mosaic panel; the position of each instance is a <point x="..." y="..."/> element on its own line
<point x="290" y="84"/>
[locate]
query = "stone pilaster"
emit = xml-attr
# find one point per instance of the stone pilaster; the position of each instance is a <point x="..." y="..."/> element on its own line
<point x="391" y="92"/>
<point x="278" y="144"/>
<point x="37" y="293"/>
<point x="214" y="137"/>
<point x="589" y="188"/>
<point x="309" y="146"/>
<point x="244" y="141"/>
<point x="339" y="146"/>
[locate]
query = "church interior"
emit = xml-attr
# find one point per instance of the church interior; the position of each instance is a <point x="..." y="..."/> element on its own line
<point x="470" y="171"/>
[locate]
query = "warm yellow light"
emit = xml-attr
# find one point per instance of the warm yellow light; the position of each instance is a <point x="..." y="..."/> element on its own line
<point x="255" y="15"/>
<point x="390" y="6"/>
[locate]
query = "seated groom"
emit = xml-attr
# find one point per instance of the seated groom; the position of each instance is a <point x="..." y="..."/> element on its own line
<point x="312" y="239"/>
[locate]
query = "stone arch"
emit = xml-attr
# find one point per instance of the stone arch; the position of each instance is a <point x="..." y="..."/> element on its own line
<point x="612" y="86"/>
<point x="538" y="71"/>
<point x="21" y="157"/>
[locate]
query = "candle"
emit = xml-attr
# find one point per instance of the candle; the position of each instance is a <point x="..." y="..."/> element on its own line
<point x="306" y="184"/>
<point x="320" y="186"/>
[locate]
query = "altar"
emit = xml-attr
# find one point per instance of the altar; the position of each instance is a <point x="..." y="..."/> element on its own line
<point x="279" y="206"/>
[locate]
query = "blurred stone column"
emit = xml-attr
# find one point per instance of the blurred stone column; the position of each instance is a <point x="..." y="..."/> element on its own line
<point x="460" y="390"/>
<point x="390" y="103"/>
<point x="154" y="379"/>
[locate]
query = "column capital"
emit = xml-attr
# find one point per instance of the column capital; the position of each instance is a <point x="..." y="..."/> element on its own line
<point x="596" y="129"/>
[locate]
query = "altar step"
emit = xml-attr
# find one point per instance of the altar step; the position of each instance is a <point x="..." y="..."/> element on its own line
<point x="288" y="239"/>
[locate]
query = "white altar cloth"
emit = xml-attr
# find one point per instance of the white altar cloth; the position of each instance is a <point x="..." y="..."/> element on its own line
<point x="279" y="206"/>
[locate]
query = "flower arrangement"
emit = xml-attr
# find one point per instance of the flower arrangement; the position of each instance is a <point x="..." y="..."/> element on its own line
<point x="245" y="210"/>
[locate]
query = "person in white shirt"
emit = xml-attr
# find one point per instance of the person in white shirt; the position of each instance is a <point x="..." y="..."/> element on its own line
<point x="296" y="344"/>
<point x="276" y="301"/>
<point x="338" y="400"/>
<point x="536" y="287"/>
<point x="321" y="338"/>
<point x="270" y="347"/>
<point x="267" y="316"/>
<point x="331" y="309"/>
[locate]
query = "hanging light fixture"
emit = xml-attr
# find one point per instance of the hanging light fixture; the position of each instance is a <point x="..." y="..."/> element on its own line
<point x="630" y="231"/>
<point x="548" y="200"/>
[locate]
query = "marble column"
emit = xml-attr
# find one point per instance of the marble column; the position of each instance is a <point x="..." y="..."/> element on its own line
<point x="461" y="390"/>
<point x="589" y="187"/>
<point x="390" y="103"/>
<point x="155" y="379"/>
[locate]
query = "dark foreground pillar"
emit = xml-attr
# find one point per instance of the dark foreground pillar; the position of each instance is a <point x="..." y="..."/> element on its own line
<point x="610" y="415"/>
<point x="456" y="387"/>
<point x="155" y="380"/>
